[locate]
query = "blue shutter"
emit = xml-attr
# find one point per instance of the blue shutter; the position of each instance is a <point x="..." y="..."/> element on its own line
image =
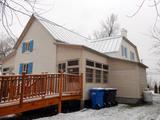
<point x="30" y="67"/>
<point x="23" y="47"/>
<point x="20" y="68"/>
<point x="31" y="45"/>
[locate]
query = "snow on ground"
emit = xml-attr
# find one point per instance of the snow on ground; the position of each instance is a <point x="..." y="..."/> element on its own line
<point x="120" y="112"/>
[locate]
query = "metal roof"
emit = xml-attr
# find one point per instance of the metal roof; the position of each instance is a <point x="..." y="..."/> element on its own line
<point x="105" y="45"/>
<point x="63" y="34"/>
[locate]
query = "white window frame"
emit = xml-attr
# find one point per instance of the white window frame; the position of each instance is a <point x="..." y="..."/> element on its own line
<point x="94" y="71"/>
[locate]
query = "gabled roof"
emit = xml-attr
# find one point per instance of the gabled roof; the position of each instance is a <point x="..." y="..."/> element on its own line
<point x="105" y="45"/>
<point x="60" y="33"/>
<point x="109" y="44"/>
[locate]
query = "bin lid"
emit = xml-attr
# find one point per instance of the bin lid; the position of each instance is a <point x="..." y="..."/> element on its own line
<point x="103" y="88"/>
<point x="110" y="88"/>
<point x="97" y="88"/>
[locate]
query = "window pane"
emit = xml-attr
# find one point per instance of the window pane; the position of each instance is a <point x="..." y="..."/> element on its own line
<point x="89" y="63"/>
<point x="122" y="50"/>
<point x="89" y="75"/>
<point x="5" y="69"/>
<point x="131" y="55"/>
<point x="105" y="76"/>
<point x="126" y="54"/>
<point x="62" y="67"/>
<point x="73" y="70"/>
<point x="98" y="65"/>
<point x="73" y="62"/>
<point x="98" y="76"/>
<point x="25" y="68"/>
<point x="106" y="67"/>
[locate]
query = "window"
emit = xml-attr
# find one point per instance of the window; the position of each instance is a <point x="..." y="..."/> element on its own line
<point x="27" y="46"/>
<point x="132" y="56"/>
<point x="90" y="63"/>
<point x="5" y="69"/>
<point x="96" y="72"/>
<point x="73" y="63"/>
<point x="62" y="67"/>
<point x="73" y="66"/>
<point x="27" y="68"/>
<point x="98" y="76"/>
<point x="124" y="51"/>
<point x="98" y="65"/>
<point x="105" y="76"/>
<point x="73" y="70"/>
<point x="105" y="67"/>
<point x="89" y="75"/>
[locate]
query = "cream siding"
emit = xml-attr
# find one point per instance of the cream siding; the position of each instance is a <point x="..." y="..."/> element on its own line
<point x="142" y="79"/>
<point x="127" y="78"/>
<point x="43" y="55"/>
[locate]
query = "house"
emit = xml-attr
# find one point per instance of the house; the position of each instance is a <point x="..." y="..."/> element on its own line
<point x="45" y="46"/>
<point x="118" y="47"/>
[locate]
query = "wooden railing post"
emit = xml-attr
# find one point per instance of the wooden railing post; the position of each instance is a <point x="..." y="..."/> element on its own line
<point x="22" y="88"/>
<point x="60" y="93"/>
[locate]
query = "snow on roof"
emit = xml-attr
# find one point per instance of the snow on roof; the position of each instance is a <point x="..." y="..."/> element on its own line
<point x="105" y="45"/>
<point x="62" y="34"/>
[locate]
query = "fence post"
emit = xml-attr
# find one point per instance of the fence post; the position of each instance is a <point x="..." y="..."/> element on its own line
<point x="22" y="88"/>
<point x="60" y="93"/>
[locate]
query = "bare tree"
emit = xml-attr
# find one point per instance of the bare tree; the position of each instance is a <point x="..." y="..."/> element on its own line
<point x="156" y="25"/>
<point x="6" y="45"/>
<point x="152" y="4"/>
<point x="12" y="10"/>
<point x="109" y="27"/>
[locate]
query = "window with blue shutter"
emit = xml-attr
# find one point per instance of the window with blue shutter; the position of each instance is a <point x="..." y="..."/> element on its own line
<point x="27" y="46"/>
<point x="30" y="67"/>
<point x="31" y="46"/>
<point x="23" y="47"/>
<point x="20" y="68"/>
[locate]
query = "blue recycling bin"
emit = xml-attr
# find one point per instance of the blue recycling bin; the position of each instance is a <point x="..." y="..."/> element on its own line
<point x="97" y="98"/>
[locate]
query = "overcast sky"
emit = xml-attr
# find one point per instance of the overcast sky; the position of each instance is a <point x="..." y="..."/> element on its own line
<point x="84" y="16"/>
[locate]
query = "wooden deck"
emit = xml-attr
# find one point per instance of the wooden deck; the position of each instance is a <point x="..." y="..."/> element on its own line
<point x="20" y="93"/>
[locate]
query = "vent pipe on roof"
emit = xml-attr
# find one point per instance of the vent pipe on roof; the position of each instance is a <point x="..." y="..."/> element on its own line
<point x="124" y="32"/>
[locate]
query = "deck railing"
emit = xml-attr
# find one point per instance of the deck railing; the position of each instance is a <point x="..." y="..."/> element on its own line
<point x="26" y="87"/>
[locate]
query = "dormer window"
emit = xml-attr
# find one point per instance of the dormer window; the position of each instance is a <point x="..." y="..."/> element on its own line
<point x="124" y="51"/>
<point x="132" y="57"/>
<point x="27" y="46"/>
